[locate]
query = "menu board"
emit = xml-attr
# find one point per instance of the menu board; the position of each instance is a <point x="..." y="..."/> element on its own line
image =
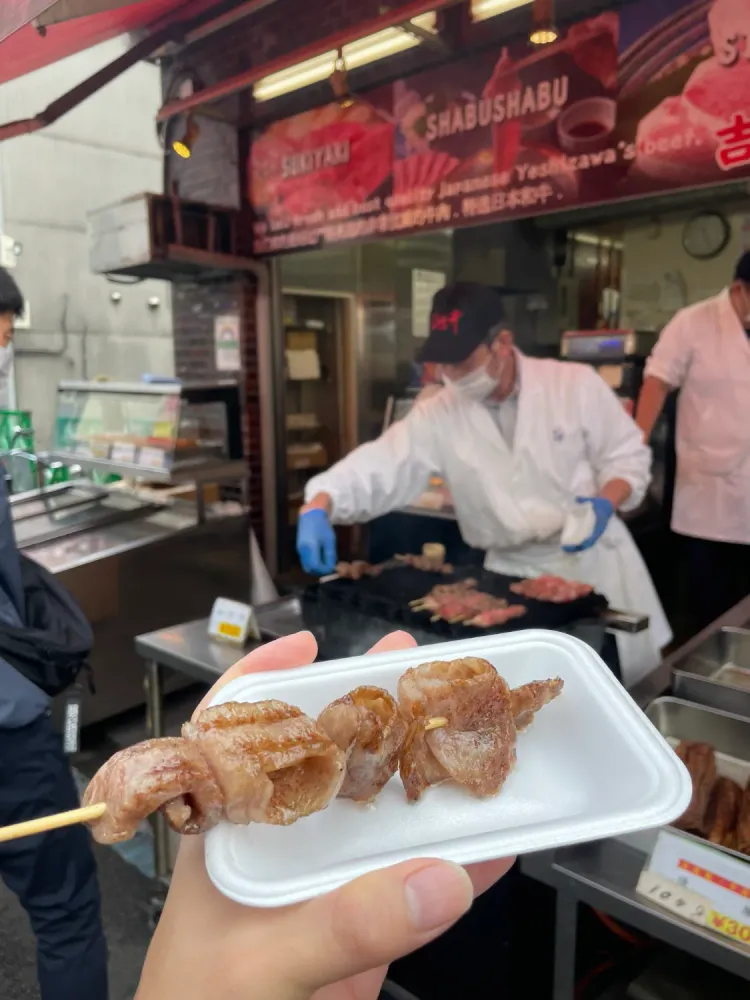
<point x="649" y="99"/>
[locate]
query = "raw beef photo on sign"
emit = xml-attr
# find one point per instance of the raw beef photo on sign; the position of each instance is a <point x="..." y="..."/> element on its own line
<point x="294" y="164"/>
<point x="685" y="94"/>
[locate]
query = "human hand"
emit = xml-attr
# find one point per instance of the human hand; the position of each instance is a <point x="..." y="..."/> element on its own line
<point x="335" y="947"/>
<point x="602" y="509"/>
<point x="316" y="542"/>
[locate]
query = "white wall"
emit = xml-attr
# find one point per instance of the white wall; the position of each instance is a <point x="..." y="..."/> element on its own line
<point x="659" y="277"/>
<point x="104" y="150"/>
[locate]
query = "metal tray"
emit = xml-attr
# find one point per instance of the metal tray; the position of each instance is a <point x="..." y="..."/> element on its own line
<point x="728" y="734"/>
<point x="717" y="673"/>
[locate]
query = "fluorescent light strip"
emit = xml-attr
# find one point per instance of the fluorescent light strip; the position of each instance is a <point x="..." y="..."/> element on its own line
<point x="366" y="50"/>
<point x="481" y="10"/>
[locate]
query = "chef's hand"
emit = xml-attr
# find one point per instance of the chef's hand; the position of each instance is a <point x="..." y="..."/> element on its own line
<point x="316" y="542"/>
<point x="335" y="947"/>
<point x="603" y="509"/>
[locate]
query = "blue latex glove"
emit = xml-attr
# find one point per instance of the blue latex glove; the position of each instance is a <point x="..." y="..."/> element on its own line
<point x="603" y="511"/>
<point x="316" y="542"/>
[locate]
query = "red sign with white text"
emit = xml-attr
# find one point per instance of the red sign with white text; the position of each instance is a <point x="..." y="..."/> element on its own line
<point x="651" y="99"/>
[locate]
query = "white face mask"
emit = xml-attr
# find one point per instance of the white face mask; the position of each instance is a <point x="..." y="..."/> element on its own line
<point x="6" y="360"/>
<point x="477" y="385"/>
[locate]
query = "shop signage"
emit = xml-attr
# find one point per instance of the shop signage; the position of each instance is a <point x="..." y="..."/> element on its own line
<point x="646" y="100"/>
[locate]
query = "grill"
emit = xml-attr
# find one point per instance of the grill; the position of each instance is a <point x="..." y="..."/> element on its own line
<point x="388" y="596"/>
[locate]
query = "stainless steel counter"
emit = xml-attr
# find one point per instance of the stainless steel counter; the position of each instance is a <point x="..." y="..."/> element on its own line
<point x="133" y="565"/>
<point x="604" y="874"/>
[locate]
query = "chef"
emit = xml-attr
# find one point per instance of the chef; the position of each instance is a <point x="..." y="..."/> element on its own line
<point x="539" y="456"/>
<point x="705" y="353"/>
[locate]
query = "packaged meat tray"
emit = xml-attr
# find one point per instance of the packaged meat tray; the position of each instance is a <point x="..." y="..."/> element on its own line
<point x="589" y="765"/>
<point x="390" y="595"/>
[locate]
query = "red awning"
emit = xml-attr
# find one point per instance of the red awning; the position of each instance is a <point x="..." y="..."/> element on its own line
<point x="23" y="48"/>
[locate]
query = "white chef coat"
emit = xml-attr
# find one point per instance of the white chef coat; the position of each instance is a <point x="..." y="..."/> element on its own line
<point x="572" y="435"/>
<point x="505" y="414"/>
<point x="705" y="352"/>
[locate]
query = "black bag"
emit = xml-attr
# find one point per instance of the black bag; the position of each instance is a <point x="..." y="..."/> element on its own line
<point x="53" y="647"/>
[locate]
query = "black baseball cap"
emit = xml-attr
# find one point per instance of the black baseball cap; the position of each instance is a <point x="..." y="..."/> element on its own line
<point x="742" y="271"/>
<point x="463" y="314"/>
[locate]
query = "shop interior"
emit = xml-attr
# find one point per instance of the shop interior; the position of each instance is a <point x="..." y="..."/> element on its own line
<point x="591" y="289"/>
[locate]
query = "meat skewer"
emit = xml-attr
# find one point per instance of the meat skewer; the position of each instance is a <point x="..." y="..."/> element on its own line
<point x="554" y="589"/>
<point x="268" y="762"/>
<point x="496" y="616"/>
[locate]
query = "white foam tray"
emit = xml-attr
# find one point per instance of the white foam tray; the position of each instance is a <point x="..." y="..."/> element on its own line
<point x="590" y="766"/>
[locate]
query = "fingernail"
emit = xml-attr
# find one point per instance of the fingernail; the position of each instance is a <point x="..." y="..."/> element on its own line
<point x="437" y="895"/>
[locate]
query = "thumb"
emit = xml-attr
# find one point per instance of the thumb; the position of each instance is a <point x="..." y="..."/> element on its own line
<point x="374" y="920"/>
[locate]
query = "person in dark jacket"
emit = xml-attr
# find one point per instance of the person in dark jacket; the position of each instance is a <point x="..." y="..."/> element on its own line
<point x="53" y="874"/>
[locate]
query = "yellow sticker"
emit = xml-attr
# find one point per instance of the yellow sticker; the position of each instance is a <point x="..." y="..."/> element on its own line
<point x="728" y="927"/>
<point x="228" y="629"/>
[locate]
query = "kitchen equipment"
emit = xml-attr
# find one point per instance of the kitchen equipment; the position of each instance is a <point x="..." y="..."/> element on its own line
<point x="590" y="766"/>
<point x="717" y="673"/>
<point x="389" y="594"/>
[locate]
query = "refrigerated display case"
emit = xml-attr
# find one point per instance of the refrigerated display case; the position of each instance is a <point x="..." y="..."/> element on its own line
<point x="159" y="431"/>
<point x="160" y="544"/>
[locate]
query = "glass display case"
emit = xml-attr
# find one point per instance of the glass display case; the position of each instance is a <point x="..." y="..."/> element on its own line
<point x="158" y="431"/>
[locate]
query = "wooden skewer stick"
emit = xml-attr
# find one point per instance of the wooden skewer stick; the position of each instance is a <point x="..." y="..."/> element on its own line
<point x="87" y="814"/>
<point x="436" y="723"/>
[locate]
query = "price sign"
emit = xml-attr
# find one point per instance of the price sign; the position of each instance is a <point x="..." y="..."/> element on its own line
<point x="674" y="897"/>
<point x="152" y="458"/>
<point x="233" y="622"/>
<point x="700" y="883"/>
<point x="123" y="452"/>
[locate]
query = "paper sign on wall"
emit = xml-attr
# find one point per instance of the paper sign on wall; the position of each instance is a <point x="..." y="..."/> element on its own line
<point x="227" y="343"/>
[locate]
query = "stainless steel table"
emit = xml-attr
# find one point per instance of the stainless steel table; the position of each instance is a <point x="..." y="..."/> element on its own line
<point x="604" y="874"/>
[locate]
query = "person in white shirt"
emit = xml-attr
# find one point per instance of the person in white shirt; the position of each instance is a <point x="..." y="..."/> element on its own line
<point x="539" y="455"/>
<point x="705" y="353"/>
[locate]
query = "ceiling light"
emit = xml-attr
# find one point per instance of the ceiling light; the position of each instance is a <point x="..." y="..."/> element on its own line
<point x="366" y="50"/>
<point x="184" y="145"/>
<point x="543" y="30"/>
<point x="481" y="10"/>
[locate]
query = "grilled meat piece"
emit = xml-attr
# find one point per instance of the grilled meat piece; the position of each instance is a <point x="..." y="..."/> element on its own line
<point x="743" y="823"/>
<point x="170" y="774"/>
<point x="477" y="747"/>
<point x="700" y="760"/>
<point x="367" y="726"/>
<point x="272" y="763"/>
<point x="529" y="698"/>
<point x="723" y="810"/>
